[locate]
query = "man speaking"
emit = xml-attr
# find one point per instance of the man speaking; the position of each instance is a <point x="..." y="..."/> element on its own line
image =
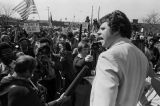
<point x="121" y="69"/>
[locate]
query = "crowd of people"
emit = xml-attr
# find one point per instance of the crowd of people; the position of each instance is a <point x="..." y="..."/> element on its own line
<point x="37" y="68"/>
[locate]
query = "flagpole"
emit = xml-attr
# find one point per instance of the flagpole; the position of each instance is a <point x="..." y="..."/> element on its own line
<point x="38" y="16"/>
<point x="92" y="16"/>
<point x="90" y="26"/>
<point x="98" y="12"/>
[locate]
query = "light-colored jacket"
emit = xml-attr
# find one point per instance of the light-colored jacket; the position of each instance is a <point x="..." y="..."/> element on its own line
<point x="120" y="75"/>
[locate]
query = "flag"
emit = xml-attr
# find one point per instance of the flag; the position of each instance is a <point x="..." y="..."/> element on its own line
<point x="50" y="21"/>
<point x="25" y="8"/>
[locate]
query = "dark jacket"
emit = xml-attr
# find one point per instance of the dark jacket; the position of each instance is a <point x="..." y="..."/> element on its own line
<point x="18" y="92"/>
<point x="79" y="63"/>
<point x="67" y="68"/>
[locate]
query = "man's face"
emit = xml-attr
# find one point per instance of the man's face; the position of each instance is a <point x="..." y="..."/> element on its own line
<point x="43" y="51"/>
<point x="106" y="34"/>
<point x="62" y="39"/>
<point x="151" y="42"/>
<point x="24" y="46"/>
<point x="61" y="47"/>
<point x="85" y="51"/>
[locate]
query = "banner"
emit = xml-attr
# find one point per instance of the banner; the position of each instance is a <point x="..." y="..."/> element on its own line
<point x="25" y="8"/>
<point x="84" y="25"/>
<point x="31" y="27"/>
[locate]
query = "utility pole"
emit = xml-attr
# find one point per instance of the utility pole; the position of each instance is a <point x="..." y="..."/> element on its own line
<point x="48" y="12"/>
<point x="74" y="18"/>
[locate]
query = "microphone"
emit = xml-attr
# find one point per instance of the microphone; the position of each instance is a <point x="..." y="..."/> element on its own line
<point x="76" y="80"/>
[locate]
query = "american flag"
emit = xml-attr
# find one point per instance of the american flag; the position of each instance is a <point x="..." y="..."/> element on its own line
<point x="25" y="8"/>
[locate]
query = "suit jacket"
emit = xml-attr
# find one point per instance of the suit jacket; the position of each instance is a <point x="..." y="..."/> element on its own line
<point x="120" y="75"/>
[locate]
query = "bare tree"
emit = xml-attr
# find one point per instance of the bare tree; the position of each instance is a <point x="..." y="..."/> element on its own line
<point x="6" y="13"/>
<point x="151" y="20"/>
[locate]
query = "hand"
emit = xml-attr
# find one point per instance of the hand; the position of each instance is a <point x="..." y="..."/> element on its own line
<point x="63" y="98"/>
<point x="89" y="58"/>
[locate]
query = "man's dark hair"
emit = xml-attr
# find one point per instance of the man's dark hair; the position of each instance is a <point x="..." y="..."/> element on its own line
<point x="70" y="34"/>
<point x="24" y="39"/>
<point x="62" y="35"/>
<point x="45" y="40"/>
<point x="154" y="40"/>
<point x="118" y="21"/>
<point x="24" y="63"/>
<point x="82" y="45"/>
<point x="66" y="45"/>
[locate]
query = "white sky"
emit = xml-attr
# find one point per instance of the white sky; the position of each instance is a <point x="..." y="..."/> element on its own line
<point x="62" y="9"/>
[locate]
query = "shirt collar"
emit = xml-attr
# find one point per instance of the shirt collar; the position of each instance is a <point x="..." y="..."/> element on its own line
<point x="120" y="41"/>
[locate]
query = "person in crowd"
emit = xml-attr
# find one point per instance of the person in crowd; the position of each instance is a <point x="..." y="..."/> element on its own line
<point x="121" y="69"/>
<point x="46" y="68"/>
<point x="72" y="40"/>
<point x="75" y="50"/>
<point x="5" y="38"/>
<point x="83" y="58"/>
<point x="25" y="46"/>
<point x="83" y="88"/>
<point x="19" y="90"/>
<point x="7" y="58"/>
<point x="66" y="62"/>
<point x="62" y="37"/>
<point x="154" y="52"/>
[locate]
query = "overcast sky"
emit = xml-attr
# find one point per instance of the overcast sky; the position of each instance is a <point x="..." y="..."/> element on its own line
<point x="62" y="9"/>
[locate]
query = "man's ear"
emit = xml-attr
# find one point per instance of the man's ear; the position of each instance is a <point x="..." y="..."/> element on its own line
<point x="115" y="33"/>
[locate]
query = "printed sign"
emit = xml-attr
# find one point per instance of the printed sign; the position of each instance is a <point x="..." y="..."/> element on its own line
<point x="85" y="25"/>
<point x="31" y="27"/>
